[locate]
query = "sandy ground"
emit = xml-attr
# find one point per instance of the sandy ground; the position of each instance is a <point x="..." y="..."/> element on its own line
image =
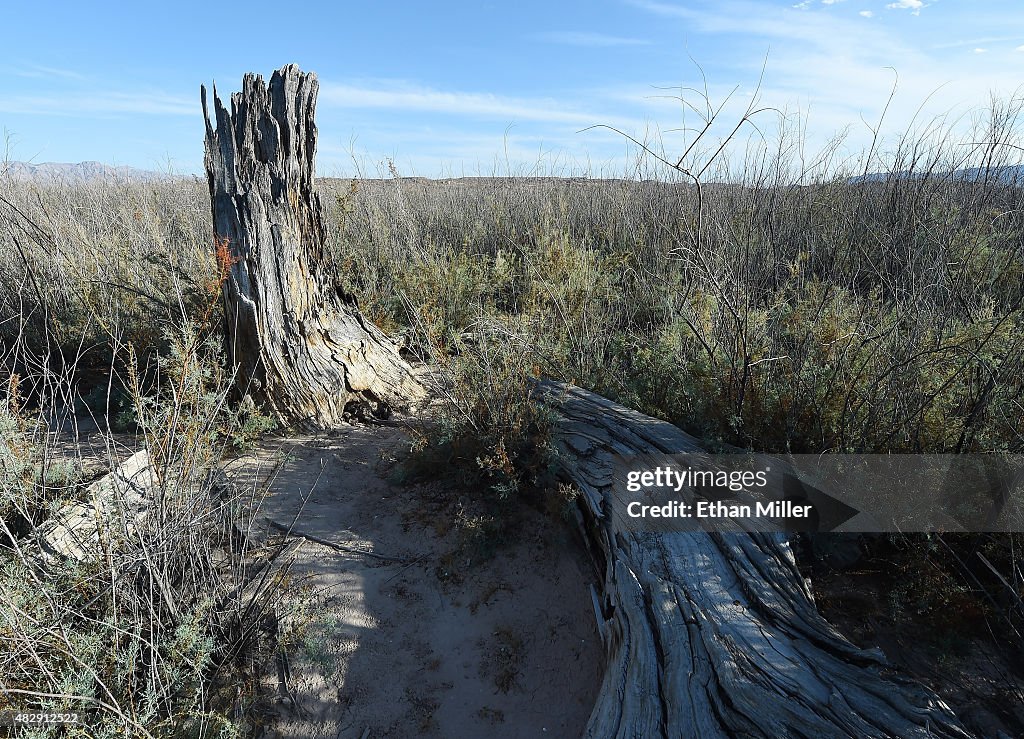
<point x="437" y="642"/>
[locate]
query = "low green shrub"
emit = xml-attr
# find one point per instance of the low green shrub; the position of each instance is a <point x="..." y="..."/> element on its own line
<point x="159" y="636"/>
<point x="490" y="428"/>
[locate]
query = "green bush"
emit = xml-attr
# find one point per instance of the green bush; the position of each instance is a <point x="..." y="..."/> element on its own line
<point x="490" y="427"/>
<point x="835" y="316"/>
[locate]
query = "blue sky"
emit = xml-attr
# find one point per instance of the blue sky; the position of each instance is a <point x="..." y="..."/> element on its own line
<point x="492" y="87"/>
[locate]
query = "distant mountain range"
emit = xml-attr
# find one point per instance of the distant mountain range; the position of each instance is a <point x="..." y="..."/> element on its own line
<point x="91" y="171"/>
<point x="74" y="173"/>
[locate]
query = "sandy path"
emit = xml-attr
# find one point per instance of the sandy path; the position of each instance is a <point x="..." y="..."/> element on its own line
<point x="505" y="647"/>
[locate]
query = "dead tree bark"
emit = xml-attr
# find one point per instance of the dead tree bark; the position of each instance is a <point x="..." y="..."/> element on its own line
<point x="297" y="343"/>
<point x="716" y="635"/>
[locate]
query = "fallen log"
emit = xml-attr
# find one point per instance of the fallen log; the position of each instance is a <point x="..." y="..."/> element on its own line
<point x="716" y="634"/>
<point x="111" y="510"/>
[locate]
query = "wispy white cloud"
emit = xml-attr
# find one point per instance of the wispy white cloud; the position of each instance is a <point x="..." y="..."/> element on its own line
<point x="406" y="97"/>
<point x="866" y="14"/>
<point x="1019" y="48"/>
<point x="815" y="30"/>
<point x="586" y="38"/>
<point x="39" y="71"/>
<point x="458" y="132"/>
<point x="842" y="71"/>
<point x="974" y="41"/>
<point x="453" y="152"/>
<point x="980" y="51"/>
<point x="54" y="91"/>
<point x="99" y="103"/>
<point x="806" y="4"/>
<point x="914" y="6"/>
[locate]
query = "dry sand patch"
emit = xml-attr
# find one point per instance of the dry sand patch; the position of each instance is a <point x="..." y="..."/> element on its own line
<point x="415" y="642"/>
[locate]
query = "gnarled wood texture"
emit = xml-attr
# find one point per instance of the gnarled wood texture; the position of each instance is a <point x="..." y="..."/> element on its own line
<point x="297" y="343"/>
<point x="716" y="635"/>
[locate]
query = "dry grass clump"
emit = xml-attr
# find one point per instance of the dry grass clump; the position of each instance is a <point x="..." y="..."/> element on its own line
<point x="96" y="265"/>
<point x="162" y="628"/>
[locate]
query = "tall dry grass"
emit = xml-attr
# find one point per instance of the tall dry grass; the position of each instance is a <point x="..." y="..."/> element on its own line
<point x="840" y="314"/>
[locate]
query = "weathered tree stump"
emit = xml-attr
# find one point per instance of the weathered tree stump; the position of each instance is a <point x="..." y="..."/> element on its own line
<point x="298" y="345"/>
<point x="711" y="634"/>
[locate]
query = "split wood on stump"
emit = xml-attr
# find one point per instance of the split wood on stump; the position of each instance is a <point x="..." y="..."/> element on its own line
<point x="707" y="635"/>
<point x="297" y="343"/>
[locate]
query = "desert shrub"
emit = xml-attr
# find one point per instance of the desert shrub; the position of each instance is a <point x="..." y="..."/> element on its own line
<point x="836" y="313"/>
<point x="31" y="481"/>
<point x="93" y="265"/>
<point x="113" y="291"/>
<point x="491" y="426"/>
<point x="164" y="634"/>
